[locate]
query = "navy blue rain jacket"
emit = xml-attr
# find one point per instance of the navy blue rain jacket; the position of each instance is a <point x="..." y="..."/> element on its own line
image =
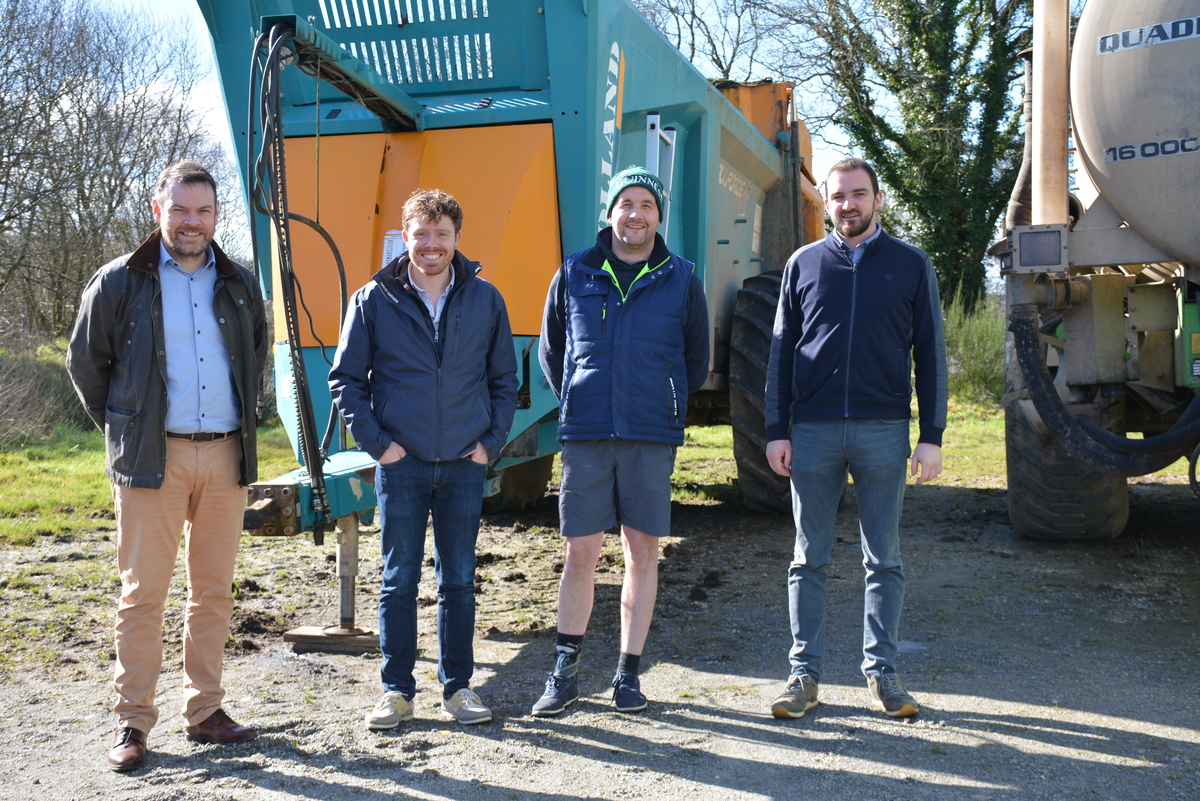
<point x="391" y="380"/>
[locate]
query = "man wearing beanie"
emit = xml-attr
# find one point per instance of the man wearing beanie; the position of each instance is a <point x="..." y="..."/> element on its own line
<point x="624" y="341"/>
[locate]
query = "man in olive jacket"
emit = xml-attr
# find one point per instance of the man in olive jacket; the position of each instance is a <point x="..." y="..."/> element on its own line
<point x="166" y="354"/>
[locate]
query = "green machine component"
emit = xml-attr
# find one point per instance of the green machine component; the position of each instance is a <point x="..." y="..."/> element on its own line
<point x="1187" y="346"/>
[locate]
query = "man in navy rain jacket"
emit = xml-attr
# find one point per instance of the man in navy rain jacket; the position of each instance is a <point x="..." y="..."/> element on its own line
<point x="425" y="377"/>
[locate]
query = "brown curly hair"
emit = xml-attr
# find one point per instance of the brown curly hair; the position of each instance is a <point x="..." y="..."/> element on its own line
<point x="431" y="205"/>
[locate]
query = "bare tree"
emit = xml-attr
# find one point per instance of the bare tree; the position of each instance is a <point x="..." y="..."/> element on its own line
<point x="96" y="107"/>
<point x="723" y="38"/>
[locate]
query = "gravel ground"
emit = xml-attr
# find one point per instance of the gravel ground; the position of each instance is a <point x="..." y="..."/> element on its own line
<point x="1046" y="671"/>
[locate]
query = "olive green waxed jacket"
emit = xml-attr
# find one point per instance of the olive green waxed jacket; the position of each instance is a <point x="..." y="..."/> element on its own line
<point x="117" y="359"/>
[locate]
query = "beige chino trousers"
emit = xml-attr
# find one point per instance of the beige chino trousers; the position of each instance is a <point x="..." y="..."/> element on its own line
<point x="201" y="500"/>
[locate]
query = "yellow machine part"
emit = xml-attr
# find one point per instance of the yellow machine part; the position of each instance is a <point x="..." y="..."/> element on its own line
<point x="503" y="177"/>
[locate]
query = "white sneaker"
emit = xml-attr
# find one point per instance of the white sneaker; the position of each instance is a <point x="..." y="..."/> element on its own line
<point x="390" y="710"/>
<point x="466" y="707"/>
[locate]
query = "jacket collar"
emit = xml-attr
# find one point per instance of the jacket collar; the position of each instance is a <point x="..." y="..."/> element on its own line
<point x="395" y="272"/>
<point x="146" y="258"/>
<point x="595" y="257"/>
<point x="836" y="243"/>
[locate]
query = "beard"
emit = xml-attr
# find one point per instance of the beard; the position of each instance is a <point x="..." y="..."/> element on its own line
<point x="183" y="249"/>
<point x="855" y="227"/>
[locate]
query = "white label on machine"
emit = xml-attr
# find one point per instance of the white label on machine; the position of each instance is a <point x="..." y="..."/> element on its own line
<point x="393" y="245"/>
<point x="757" y="228"/>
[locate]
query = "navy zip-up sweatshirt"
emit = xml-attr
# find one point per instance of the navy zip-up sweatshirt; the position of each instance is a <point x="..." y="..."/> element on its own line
<point x="847" y="337"/>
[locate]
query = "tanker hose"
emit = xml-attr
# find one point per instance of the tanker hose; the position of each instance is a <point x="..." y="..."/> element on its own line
<point x="1192" y="471"/>
<point x="1076" y="441"/>
<point x="1185" y="431"/>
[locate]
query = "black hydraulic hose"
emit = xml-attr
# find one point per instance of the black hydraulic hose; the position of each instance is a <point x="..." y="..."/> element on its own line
<point x="1186" y="430"/>
<point x="332" y="425"/>
<point x="1051" y="325"/>
<point x="1073" y="438"/>
<point x="270" y="197"/>
<point x="250" y="184"/>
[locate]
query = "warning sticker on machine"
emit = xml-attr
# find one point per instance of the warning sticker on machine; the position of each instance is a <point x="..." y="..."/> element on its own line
<point x="1163" y="32"/>
<point x="1150" y="150"/>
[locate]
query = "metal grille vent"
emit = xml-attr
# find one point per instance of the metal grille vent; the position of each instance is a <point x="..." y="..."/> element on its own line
<point x="358" y="13"/>
<point x="426" y="59"/>
<point x="511" y="102"/>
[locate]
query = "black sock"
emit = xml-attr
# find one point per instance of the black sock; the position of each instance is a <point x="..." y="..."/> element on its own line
<point x="628" y="663"/>
<point x="568" y="643"/>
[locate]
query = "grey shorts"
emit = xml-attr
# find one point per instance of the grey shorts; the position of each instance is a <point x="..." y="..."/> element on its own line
<point x="606" y="482"/>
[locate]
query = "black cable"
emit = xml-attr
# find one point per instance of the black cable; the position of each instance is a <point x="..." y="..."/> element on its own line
<point x="334" y="419"/>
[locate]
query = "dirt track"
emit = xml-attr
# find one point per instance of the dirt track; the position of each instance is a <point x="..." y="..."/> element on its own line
<point x="1045" y="671"/>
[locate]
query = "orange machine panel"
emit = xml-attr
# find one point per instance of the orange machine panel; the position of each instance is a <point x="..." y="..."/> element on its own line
<point x="345" y="207"/>
<point x="504" y="178"/>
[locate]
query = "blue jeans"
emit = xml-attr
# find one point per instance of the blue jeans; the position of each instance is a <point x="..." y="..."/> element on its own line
<point x="408" y="490"/>
<point x="876" y="453"/>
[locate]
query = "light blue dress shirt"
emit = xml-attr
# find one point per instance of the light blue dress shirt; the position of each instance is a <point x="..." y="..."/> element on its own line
<point x="201" y="396"/>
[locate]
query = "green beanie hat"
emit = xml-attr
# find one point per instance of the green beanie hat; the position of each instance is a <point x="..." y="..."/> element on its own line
<point x="635" y="176"/>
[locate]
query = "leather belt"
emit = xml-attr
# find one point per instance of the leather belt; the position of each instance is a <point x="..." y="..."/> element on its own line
<point x="204" y="436"/>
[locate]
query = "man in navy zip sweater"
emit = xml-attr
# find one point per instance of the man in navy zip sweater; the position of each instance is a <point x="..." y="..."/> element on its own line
<point x="425" y="377"/>
<point x="624" y="341"/>
<point x="857" y="311"/>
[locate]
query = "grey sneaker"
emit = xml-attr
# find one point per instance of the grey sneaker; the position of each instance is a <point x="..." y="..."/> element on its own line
<point x="891" y="695"/>
<point x="390" y="710"/>
<point x="561" y="692"/>
<point x="466" y="707"/>
<point x="798" y="697"/>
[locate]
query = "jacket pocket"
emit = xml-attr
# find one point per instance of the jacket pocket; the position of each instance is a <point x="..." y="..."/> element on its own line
<point x="900" y="371"/>
<point x="801" y="381"/>
<point x="676" y="398"/>
<point x="122" y="439"/>
<point x="566" y="398"/>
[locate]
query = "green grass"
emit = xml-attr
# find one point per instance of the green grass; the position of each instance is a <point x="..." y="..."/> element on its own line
<point x="54" y="485"/>
<point x="704" y="466"/>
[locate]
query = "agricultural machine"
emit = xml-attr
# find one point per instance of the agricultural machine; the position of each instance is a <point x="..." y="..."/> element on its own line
<point x="1102" y="281"/>
<point x="523" y="111"/>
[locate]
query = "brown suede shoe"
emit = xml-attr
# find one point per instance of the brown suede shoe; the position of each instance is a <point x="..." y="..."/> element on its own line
<point x="128" y="749"/>
<point x="220" y="728"/>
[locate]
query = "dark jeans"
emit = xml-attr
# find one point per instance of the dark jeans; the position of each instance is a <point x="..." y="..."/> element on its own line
<point x="408" y="490"/>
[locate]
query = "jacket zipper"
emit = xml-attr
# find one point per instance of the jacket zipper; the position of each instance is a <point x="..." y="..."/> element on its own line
<point x="674" y="400"/>
<point x="850" y="334"/>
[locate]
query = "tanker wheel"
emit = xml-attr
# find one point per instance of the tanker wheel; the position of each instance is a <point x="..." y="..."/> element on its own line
<point x="1052" y="496"/>
<point x="521" y="485"/>
<point x="749" y="349"/>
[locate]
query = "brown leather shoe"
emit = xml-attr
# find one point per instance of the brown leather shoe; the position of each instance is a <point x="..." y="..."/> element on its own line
<point x="220" y="728"/>
<point x="128" y="749"/>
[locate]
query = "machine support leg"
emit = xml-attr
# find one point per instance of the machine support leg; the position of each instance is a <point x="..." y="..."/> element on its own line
<point x="347" y="570"/>
<point x="344" y="638"/>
